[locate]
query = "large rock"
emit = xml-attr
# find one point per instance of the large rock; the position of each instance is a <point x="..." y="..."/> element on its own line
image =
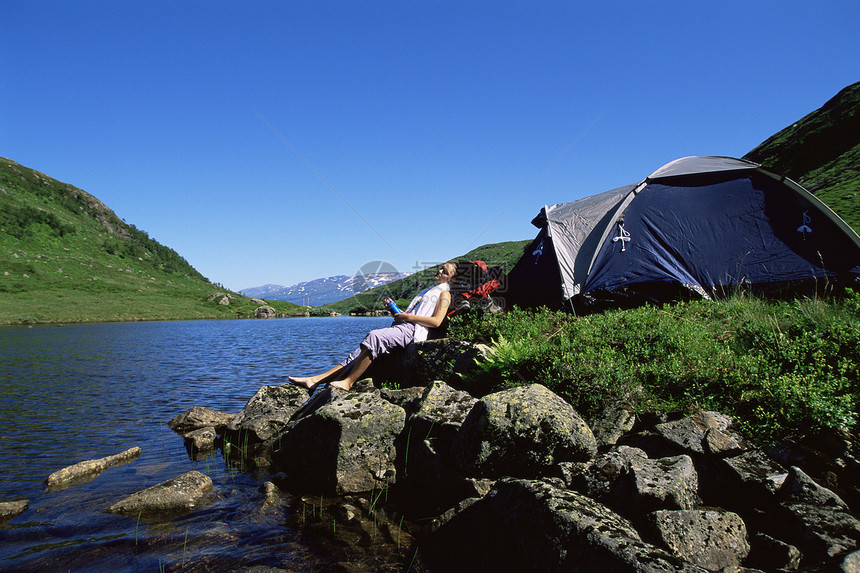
<point x="250" y="434"/>
<point x="814" y="518"/>
<point x="199" y="417"/>
<point x="428" y="480"/>
<point x="421" y="363"/>
<point x="200" y="443"/>
<point x="714" y="540"/>
<point x="440" y="413"/>
<point x="521" y="432"/>
<point x="524" y="525"/>
<point x="446" y="359"/>
<point x="265" y="311"/>
<point x="88" y="470"/>
<point x="749" y="480"/>
<point x="11" y="509"/>
<point x="181" y="493"/>
<point x="428" y="483"/>
<point x="703" y="432"/>
<point x="604" y="477"/>
<point x="769" y="553"/>
<point x="612" y="423"/>
<point x="347" y="445"/>
<point x="664" y="483"/>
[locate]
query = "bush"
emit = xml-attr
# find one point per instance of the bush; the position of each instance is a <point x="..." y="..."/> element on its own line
<point x="21" y="222"/>
<point x="778" y="367"/>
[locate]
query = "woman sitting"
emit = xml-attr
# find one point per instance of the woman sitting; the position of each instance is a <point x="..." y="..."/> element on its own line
<point x="427" y="310"/>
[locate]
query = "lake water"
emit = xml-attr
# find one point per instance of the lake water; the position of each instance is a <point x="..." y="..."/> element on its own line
<point x="81" y="392"/>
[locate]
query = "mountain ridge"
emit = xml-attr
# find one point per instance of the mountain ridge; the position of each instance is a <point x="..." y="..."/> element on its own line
<point x="324" y="290"/>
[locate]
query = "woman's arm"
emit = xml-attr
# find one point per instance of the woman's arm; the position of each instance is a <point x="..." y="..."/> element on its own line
<point x="429" y="321"/>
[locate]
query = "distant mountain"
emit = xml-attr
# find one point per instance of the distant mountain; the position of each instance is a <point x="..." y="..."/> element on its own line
<point x="323" y="291"/>
<point x="504" y="255"/>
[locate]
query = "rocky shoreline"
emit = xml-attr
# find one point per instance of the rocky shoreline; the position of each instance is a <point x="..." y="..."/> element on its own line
<point x="517" y="480"/>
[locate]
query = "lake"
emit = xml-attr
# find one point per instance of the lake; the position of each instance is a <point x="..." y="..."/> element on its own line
<point x="81" y="392"/>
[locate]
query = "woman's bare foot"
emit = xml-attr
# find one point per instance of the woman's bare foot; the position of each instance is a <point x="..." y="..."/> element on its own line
<point x="308" y="382"/>
<point x="342" y="384"/>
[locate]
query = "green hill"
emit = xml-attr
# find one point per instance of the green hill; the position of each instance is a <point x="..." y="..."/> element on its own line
<point x="66" y="257"/>
<point x="821" y="151"/>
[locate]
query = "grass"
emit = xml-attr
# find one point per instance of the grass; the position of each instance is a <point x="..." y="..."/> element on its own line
<point x="65" y="257"/>
<point x="779" y="368"/>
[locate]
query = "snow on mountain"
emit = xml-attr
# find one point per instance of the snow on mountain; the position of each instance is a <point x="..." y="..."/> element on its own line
<point x="323" y="291"/>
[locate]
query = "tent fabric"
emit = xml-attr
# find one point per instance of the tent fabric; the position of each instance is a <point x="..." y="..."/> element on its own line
<point x="696" y="227"/>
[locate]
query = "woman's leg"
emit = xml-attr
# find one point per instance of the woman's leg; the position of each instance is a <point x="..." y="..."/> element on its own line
<point x="310" y="381"/>
<point x="359" y="366"/>
<point x="379" y="341"/>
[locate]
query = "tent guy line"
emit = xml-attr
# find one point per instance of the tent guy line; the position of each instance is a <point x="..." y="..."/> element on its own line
<point x="538" y="178"/>
<point x="324" y="180"/>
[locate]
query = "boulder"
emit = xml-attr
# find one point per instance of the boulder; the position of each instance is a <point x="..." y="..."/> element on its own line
<point x="181" y="493"/>
<point x="851" y="563"/>
<point x="200" y="442"/>
<point x="250" y="434"/>
<point x="612" y="423"/>
<point x="814" y="518"/>
<point x="85" y="471"/>
<point x="407" y="398"/>
<point x="526" y="525"/>
<point x="798" y="487"/>
<point x="703" y="432"/>
<point x="447" y="359"/>
<point x="265" y="311"/>
<point x="421" y="363"/>
<point x="440" y="413"/>
<point x="601" y="478"/>
<point x="767" y="552"/>
<point x="521" y="432"/>
<point x="749" y="480"/>
<point x="346" y="445"/>
<point x="428" y="483"/>
<point x="713" y="540"/>
<point x="12" y="509"/>
<point x="199" y="417"/>
<point x="664" y="483"/>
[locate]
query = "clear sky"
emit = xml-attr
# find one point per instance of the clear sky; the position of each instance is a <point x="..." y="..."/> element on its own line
<point x="283" y="141"/>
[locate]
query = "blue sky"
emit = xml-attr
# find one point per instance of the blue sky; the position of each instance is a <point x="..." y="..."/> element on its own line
<point x="279" y="142"/>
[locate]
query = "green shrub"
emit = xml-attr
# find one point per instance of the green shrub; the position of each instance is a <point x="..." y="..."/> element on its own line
<point x="778" y="367"/>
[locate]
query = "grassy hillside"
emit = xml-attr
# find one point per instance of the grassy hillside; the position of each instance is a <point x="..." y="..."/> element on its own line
<point x="66" y="257"/>
<point x="821" y="151"/>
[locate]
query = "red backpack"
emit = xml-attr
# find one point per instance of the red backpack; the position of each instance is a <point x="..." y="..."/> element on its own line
<point x="473" y="285"/>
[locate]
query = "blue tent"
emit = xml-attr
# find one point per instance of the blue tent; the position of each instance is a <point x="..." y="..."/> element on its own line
<point x="698" y="227"/>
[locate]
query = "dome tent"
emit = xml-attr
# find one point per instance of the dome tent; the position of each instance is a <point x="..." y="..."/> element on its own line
<point x="698" y="227"/>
